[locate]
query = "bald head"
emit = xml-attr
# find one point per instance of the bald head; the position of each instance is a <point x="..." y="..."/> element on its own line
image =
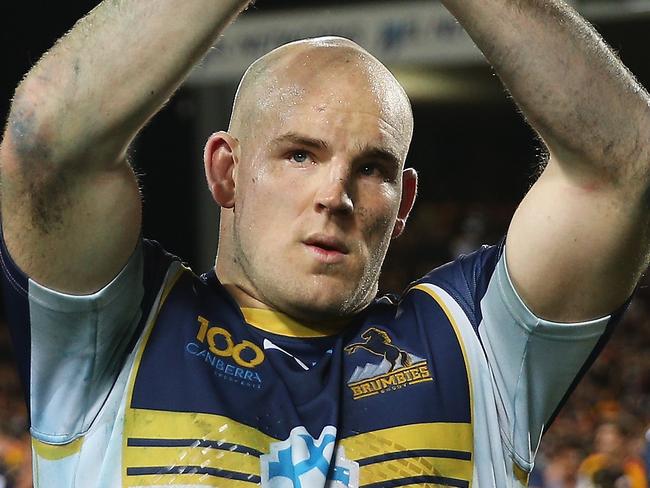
<point x="328" y="70"/>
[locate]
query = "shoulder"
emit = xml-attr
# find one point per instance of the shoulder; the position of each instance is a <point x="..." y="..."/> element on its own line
<point x="466" y="278"/>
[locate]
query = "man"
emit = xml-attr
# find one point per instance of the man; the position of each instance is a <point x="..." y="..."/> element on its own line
<point x="614" y="456"/>
<point x="286" y="370"/>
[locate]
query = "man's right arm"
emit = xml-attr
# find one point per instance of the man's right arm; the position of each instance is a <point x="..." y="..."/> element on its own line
<point x="71" y="208"/>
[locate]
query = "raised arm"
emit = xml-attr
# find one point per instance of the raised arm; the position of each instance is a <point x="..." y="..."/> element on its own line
<point x="579" y="241"/>
<point x="71" y="207"/>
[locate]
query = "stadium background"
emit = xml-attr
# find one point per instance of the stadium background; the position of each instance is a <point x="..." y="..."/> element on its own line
<point x="476" y="159"/>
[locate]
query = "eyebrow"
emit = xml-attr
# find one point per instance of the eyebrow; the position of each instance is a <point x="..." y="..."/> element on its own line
<point x="365" y="152"/>
<point x="380" y="153"/>
<point x="295" y="138"/>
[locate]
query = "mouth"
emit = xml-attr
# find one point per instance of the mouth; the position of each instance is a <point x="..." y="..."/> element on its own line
<point x="327" y="249"/>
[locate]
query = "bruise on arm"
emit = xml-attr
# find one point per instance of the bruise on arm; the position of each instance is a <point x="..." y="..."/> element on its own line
<point x="68" y="229"/>
<point x="32" y="186"/>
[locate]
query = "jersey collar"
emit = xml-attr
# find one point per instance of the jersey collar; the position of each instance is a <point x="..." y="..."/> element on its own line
<point x="281" y="324"/>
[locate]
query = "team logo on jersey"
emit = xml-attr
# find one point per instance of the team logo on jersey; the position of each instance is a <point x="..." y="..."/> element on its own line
<point x="397" y="368"/>
<point x="304" y="462"/>
<point x="231" y="360"/>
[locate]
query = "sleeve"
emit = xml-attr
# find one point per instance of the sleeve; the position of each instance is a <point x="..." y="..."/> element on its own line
<point x="70" y="349"/>
<point x="534" y="364"/>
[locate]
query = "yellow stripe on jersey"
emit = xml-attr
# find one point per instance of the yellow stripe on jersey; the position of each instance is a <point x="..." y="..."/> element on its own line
<point x="443" y="436"/>
<point x="155" y="424"/>
<point x="415" y="466"/>
<point x="206" y="457"/>
<point x="188" y="480"/>
<point x="417" y="437"/>
<point x="162" y="426"/>
<point x="421" y="485"/>
<point x="520" y="474"/>
<point x="54" y="452"/>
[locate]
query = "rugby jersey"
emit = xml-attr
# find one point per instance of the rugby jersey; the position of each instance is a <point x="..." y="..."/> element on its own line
<point x="161" y="379"/>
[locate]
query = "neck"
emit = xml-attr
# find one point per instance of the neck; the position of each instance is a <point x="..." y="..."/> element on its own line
<point x="243" y="298"/>
<point x="247" y="302"/>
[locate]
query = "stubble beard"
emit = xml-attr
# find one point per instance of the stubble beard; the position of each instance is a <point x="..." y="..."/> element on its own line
<point x="287" y="296"/>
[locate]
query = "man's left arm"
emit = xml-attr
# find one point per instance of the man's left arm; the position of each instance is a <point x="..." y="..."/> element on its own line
<point x="579" y="241"/>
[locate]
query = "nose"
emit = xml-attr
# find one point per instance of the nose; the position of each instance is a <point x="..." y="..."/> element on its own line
<point x="333" y="195"/>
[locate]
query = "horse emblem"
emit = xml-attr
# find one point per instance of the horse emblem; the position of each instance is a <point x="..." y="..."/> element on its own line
<point x="378" y="342"/>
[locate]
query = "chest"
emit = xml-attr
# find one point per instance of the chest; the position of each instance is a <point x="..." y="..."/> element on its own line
<point x="215" y="401"/>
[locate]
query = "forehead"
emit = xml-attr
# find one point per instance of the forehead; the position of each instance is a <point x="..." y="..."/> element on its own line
<point x="343" y="94"/>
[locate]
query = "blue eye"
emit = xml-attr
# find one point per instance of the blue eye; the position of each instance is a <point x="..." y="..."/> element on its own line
<point x="299" y="157"/>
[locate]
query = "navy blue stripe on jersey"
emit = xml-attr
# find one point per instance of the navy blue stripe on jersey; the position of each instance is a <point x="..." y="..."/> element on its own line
<point x="467" y="278"/>
<point x="15" y="286"/>
<point x="600" y="345"/>
<point x="156" y="264"/>
<point x="181" y="470"/>
<point x="438" y="480"/>
<point x="437" y="453"/>
<point x="224" y="446"/>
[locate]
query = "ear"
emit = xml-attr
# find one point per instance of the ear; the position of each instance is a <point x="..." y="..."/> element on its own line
<point x="220" y="157"/>
<point x="409" y="192"/>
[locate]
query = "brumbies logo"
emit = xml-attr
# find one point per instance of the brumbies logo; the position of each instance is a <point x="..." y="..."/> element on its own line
<point x="397" y="369"/>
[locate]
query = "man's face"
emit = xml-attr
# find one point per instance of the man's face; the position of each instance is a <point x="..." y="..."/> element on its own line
<point x="609" y="439"/>
<point x="317" y="191"/>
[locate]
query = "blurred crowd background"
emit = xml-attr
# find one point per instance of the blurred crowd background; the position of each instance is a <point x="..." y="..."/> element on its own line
<point x="15" y="447"/>
<point x="475" y="157"/>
